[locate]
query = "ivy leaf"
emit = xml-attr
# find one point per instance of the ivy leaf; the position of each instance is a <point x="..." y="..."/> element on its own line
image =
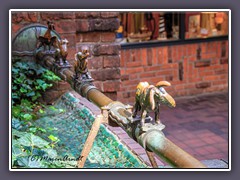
<point x="52" y="153"/>
<point x="22" y="90"/>
<point x="53" y="138"/>
<point x="40" y="71"/>
<point x="25" y="102"/>
<point x="17" y="133"/>
<point x="30" y="139"/>
<point x="41" y="111"/>
<point x="29" y="162"/>
<point x="30" y="94"/>
<point x="27" y="117"/>
<point x="16" y="111"/>
<point x="16" y="124"/>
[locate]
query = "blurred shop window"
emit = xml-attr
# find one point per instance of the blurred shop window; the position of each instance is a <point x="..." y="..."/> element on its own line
<point x="206" y="24"/>
<point x="148" y="26"/>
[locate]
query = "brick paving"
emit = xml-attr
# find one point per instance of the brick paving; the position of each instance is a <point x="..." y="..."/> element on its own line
<point x="198" y="124"/>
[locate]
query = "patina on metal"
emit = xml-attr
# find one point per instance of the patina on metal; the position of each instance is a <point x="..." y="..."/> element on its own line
<point x="152" y="137"/>
<point x="148" y="98"/>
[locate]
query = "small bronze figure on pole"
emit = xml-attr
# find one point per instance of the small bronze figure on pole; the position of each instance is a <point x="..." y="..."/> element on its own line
<point x="149" y="97"/>
<point x="61" y="51"/>
<point x="47" y="39"/>
<point x="80" y="67"/>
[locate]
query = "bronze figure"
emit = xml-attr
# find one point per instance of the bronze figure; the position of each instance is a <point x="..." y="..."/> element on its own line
<point x="80" y="66"/>
<point x="48" y="39"/>
<point x="149" y="98"/>
<point x="61" y="51"/>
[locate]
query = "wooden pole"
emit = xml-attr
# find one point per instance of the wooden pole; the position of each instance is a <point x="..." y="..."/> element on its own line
<point x="90" y="139"/>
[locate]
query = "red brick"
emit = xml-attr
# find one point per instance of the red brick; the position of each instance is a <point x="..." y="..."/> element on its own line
<point x="165" y="55"/>
<point x="82" y="25"/>
<point x="122" y="58"/>
<point x="154" y="56"/>
<point x="45" y="16"/>
<point x="208" y="55"/>
<point x="111" y="24"/>
<point x="111" y="61"/>
<point x="18" y="17"/>
<point x="111" y="86"/>
<point x="124" y="77"/>
<point x="110" y="74"/>
<point x="211" y="78"/>
<point x="164" y="72"/>
<point x="71" y="40"/>
<point x="152" y="68"/>
<point x="108" y="37"/>
<point x="144" y="57"/>
<point x="68" y="15"/>
<point x="99" y="85"/>
<point x="221" y="71"/>
<point x="16" y="28"/>
<point x="134" y="64"/>
<point x="109" y="14"/>
<point x="134" y="70"/>
<point x="71" y="53"/>
<point x="80" y="15"/>
<point x="65" y="26"/>
<point x="111" y="95"/>
<point x="95" y="62"/>
<point x="149" y="57"/>
<point x="224" y="61"/>
<point x="147" y="74"/>
<point x="202" y="63"/>
<point x="106" y="74"/>
<point x="90" y="37"/>
<point x="106" y="49"/>
<point x="203" y="85"/>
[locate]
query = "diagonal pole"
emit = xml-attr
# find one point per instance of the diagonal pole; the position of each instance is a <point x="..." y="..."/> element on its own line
<point x="90" y="139"/>
<point x="152" y="159"/>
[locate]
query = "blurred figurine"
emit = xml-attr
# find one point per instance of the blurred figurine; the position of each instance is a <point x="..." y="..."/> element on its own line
<point x="61" y="51"/>
<point x="149" y="98"/>
<point x="80" y="66"/>
<point x="48" y="39"/>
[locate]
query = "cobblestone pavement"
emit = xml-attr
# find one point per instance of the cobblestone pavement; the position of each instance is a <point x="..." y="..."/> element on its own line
<point x="198" y="124"/>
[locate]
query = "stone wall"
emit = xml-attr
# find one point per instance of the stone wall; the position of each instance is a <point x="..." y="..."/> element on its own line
<point x="93" y="29"/>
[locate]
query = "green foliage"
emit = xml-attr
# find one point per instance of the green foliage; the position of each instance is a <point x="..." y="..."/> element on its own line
<point x="31" y="151"/>
<point x="29" y="80"/>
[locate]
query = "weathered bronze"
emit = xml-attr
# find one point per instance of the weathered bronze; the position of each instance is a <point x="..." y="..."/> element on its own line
<point x="152" y="139"/>
<point x="61" y="52"/>
<point x="149" y="97"/>
<point x="80" y="67"/>
<point x="48" y="39"/>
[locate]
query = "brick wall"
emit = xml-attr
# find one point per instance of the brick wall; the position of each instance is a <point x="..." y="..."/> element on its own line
<point x="93" y="29"/>
<point x="191" y="69"/>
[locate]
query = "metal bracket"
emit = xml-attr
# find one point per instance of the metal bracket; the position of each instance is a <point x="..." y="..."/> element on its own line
<point x="147" y="129"/>
<point x="118" y="113"/>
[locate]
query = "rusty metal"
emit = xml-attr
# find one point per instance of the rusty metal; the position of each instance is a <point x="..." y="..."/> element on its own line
<point x="156" y="142"/>
<point x="89" y="142"/>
